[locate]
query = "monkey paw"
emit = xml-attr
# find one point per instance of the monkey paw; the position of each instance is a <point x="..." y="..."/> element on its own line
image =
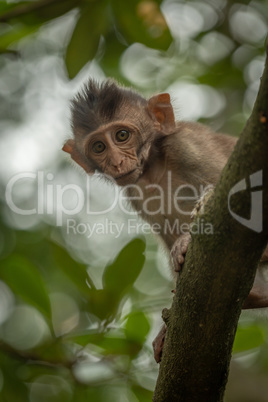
<point x="179" y="250"/>
<point x="158" y="344"/>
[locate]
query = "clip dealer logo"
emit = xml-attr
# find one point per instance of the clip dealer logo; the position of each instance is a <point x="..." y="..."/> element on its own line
<point x="55" y="199"/>
<point x="255" y="222"/>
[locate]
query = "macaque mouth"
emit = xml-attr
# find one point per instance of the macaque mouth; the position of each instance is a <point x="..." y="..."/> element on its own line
<point x="125" y="174"/>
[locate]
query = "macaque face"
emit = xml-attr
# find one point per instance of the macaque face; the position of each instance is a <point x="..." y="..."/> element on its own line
<point x="114" y="150"/>
<point x="115" y="130"/>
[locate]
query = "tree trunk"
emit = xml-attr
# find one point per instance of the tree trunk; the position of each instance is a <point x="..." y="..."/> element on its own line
<point x="219" y="271"/>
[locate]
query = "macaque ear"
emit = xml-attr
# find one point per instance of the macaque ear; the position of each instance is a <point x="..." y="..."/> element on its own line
<point x="70" y="148"/>
<point x="161" y="110"/>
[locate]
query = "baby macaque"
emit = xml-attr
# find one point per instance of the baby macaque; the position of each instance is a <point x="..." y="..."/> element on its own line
<point x="164" y="165"/>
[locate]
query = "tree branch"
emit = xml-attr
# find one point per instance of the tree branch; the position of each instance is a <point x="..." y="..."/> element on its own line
<point x="218" y="275"/>
<point x="28" y="8"/>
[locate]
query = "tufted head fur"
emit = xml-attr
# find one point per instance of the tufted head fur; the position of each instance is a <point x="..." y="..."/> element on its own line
<point x="98" y="103"/>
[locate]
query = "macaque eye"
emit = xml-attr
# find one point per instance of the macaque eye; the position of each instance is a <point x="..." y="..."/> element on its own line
<point x="122" y="135"/>
<point x="98" y="147"/>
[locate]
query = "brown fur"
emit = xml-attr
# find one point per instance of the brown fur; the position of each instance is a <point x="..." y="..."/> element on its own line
<point x="156" y="148"/>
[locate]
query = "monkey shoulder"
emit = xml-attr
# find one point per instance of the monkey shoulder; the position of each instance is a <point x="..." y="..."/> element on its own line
<point x="195" y="140"/>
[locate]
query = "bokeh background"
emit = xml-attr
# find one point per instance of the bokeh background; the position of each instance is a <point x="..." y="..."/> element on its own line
<point x="78" y="312"/>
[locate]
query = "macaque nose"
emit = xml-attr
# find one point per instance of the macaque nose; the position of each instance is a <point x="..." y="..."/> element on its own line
<point x="117" y="163"/>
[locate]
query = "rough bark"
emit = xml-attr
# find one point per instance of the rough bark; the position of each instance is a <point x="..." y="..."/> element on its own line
<point x="217" y="276"/>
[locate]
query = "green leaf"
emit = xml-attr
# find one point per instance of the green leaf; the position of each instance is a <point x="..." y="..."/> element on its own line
<point x="25" y="281"/>
<point x="4" y="7"/>
<point x="117" y="278"/>
<point x="55" y="351"/>
<point x="248" y="337"/>
<point x="125" y="269"/>
<point x="56" y="9"/>
<point x="12" y="389"/>
<point x="112" y="344"/>
<point x="29" y="12"/>
<point x="102" y="303"/>
<point x="137" y="326"/>
<point x="119" y="346"/>
<point x="17" y="33"/>
<point x="142" y="22"/>
<point x="111" y="58"/>
<point x="88" y="394"/>
<point x="142" y="394"/>
<point x="74" y="270"/>
<point x="84" y="43"/>
<point x="84" y="338"/>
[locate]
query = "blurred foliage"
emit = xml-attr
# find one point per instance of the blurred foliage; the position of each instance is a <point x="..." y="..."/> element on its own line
<point x="125" y="22"/>
<point x="70" y="329"/>
<point x="62" y="333"/>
